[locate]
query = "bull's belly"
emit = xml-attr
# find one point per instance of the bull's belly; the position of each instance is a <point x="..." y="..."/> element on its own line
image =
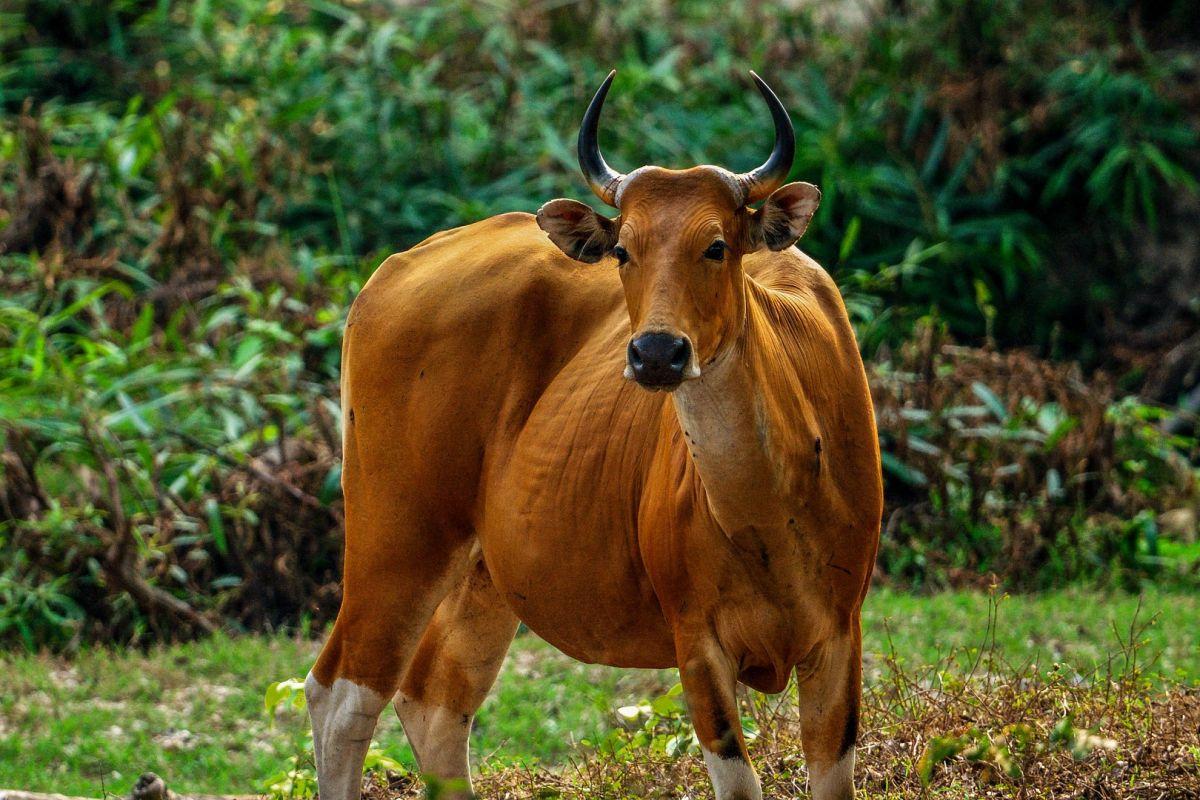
<point x="580" y="591"/>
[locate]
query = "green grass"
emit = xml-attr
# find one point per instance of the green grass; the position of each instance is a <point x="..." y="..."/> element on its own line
<point x="1082" y="630"/>
<point x="194" y="714"/>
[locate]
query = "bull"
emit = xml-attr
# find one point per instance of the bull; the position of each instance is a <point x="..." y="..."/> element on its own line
<point x="648" y="437"/>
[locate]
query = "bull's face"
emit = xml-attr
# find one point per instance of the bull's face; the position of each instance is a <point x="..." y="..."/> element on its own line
<point x="679" y="243"/>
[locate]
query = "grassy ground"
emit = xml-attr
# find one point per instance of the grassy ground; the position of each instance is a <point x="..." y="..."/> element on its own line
<point x="194" y="714"/>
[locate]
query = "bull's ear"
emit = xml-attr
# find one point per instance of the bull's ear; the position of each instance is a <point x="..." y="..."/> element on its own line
<point x="785" y="216"/>
<point x="578" y="231"/>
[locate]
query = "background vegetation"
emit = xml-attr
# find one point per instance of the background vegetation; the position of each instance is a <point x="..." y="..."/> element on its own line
<point x="193" y="193"/>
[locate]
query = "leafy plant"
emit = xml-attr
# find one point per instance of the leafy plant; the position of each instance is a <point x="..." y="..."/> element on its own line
<point x="660" y="726"/>
<point x="1006" y="464"/>
<point x="36" y="611"/>
<point x="1124" y="145"/>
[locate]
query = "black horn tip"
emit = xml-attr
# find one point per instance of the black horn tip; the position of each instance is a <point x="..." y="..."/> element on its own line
<point x="602" y="179"/>
<point x="763" y="89"/>
<point x="602" y="92"/>
<point x="762" y="181"/>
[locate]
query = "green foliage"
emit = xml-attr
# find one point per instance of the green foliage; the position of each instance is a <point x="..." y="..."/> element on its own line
<point x="33" y="610"/>
<point x="349" y="128"/>
<point x="1004" y="751"/>
<point x="1079" y="742"/>
<point x="1015" y="466"/>
<point x="660" y="726"/>
<point x="285" y="693"/>
<point x="1123" y="145"/>
<point x="297" y="782"/>
<point x="192" y="193"/>
<point x="155" y="447"/>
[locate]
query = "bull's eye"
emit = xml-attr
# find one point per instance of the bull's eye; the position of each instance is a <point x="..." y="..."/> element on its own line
<point x="715" y="251"/>
<point x="621" y="254"/>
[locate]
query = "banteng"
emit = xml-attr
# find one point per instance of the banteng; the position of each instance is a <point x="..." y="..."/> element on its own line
<point x="647" y="437"/>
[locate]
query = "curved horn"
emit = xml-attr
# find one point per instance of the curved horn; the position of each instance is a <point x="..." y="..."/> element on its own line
<point x="759" y="183"/>
<point x="602" y="178"/>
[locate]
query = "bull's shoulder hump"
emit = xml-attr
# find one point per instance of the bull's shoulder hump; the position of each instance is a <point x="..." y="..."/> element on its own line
<point x="794" y="273"/>
<point x="496" y="266"/>
<point x="511" y="245"/>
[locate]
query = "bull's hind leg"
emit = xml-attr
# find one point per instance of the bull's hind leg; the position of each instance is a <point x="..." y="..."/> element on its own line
<point x="398" y="568"/>
<point x="450" y="675"/>
<point x="830" y="692"/>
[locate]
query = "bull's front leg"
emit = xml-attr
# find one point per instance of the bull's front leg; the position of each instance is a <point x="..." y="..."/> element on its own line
<point x="830" y="694"/>
<point x="710" y="686"/>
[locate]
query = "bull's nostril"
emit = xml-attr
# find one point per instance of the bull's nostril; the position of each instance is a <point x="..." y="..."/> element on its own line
<point x="635" y="356"/>
<point x="680" y="359"/>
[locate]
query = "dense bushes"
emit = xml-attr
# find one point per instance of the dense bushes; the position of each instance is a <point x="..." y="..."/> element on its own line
<point x="192" y="193"/>
<point x="1004" y="464"/>
<point x="958" y="145"/>
<point x="193" y="459"/>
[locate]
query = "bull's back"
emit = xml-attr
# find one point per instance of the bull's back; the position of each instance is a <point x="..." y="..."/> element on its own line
<point x="450" y="343"/>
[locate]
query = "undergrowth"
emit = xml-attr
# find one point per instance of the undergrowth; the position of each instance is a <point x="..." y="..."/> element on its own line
<point x="193" y="712"/>
<point x="995" y="729"/>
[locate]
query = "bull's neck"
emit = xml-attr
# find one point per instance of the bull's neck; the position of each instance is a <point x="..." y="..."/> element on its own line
<point x="749" y="428"/>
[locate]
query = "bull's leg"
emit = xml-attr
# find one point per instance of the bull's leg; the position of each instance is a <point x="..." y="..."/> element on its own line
<point x="393" y="582"/>
<point x="830" y="691"/>
<point x="455" y="665"/>
<point x="710" y="686"/>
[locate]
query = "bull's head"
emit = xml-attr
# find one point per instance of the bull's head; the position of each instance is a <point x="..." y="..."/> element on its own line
<point x="679" y="240"/>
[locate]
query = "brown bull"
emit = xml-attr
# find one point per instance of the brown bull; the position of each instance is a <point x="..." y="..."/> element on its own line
<point x="505" y="462"/>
